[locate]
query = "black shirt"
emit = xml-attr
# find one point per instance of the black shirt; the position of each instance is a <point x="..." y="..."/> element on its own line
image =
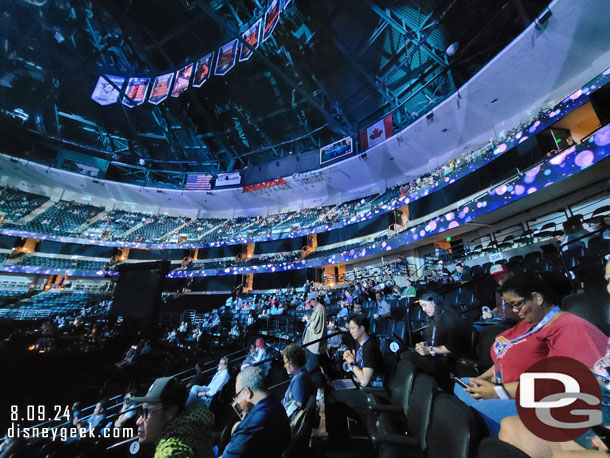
<point x="371" y="356"/>
<point x="451" y="331"/>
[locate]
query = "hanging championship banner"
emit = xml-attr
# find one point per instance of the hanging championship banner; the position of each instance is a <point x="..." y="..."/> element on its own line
<point x="136" y="91"/>
<point x="285" y="4"/>
<point x="272" y="16"/>
<point x="203" y="70"/>
<point x="252" y="37"/>
<point x="160" y="88"/>
<point x="226" y="58"/>
<point x="106" y="91"/>
<point x="183" y="78"/>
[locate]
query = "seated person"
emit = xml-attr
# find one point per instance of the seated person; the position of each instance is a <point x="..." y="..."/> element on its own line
<point x="445" y="339"/>
<point x="514" y="431"/>
<point x="334" y="342"/>
<point x="544" y="331"/>
<point x="256" y="356"/>
<point x="264" y="429"/>
<point x="127" y="416"/>
<point x="200" y="377"/>
<point x="462" y="272"/>
<point x="300" y="388"/>
<point x="383" y="308"/>
<point x="408" y="290"/>
<point x="366" y="364"/>
<point x="98" y="421"/>
<point x="500" y="274"/>
<point x="165" y="425"/>
<point x="205" y="393"/>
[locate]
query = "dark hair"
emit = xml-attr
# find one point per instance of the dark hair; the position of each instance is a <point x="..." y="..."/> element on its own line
<point x="360" y="320"/>
<point x="295" y="354"/>
<point x="439" y="302"/>
<point x="525" y="284"/>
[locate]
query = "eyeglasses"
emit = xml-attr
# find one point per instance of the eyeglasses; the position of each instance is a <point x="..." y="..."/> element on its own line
<point x="237" y="394"/>
<point x="517" y="305"/>
<point x="144" y="412"/>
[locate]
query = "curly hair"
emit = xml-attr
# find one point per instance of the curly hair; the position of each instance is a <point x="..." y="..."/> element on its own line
<point x="295" y="355"/>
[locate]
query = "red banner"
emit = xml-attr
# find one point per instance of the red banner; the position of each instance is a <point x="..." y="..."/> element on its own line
<point x="263" y="185"/>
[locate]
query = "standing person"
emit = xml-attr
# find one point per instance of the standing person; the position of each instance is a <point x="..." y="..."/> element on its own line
<point x="316" y="329"/>
<point x="366" y="364"/>
<point x="265" y="430"/>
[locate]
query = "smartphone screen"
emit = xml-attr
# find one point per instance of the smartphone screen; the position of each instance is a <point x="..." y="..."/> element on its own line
<point x="459" y="381"/>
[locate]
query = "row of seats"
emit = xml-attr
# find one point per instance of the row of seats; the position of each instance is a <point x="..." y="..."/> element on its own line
<point x="413" y="418"/>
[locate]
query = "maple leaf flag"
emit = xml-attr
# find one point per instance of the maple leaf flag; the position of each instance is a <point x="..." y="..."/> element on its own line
<point x="375" y="134"/>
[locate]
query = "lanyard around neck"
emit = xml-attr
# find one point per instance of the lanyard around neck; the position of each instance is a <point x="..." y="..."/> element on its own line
<point x="500" y="348"/>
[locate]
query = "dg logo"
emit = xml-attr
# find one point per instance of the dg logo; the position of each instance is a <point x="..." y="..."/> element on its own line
<point x="559" y="399"/>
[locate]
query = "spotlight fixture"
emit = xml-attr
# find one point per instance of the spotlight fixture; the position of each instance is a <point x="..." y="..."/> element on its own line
<point x="452" y="48"/>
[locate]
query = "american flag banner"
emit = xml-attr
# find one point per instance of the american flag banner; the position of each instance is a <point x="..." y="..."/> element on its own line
<point x="197" y="182"/>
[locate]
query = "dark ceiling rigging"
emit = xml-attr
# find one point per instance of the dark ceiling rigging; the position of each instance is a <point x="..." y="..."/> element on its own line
<point x="329" y="69"/>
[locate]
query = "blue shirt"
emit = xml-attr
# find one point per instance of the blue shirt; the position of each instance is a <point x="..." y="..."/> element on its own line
<point x="299" y="389"/>
<point x="264" y="432"/>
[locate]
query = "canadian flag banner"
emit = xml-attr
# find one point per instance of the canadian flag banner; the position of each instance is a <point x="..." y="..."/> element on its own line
<point x="375" y="134"/>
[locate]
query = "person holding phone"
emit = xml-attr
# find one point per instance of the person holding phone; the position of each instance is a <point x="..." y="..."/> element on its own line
<point x="366" y="363"/>
<point x="544" y="331"/>
<point x="445" y="339"/>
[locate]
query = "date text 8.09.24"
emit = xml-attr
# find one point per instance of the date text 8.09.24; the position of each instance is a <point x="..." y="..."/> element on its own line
<point x="40" y="413"/>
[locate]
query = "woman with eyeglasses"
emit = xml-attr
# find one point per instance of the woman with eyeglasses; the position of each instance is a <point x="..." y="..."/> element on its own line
<point x="542" y="332"/>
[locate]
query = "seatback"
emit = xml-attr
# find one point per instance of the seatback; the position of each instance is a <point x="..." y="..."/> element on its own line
<point x="453" y="432"/>
<point x="299" y="444"/>
<point x="402" y="384"/>
<point x="534" y="262"/>
<point x="592" y="306"/>
<point x="487" y="336"/>
<point x="400" y="330"/>
<point x="420" y="407"/>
